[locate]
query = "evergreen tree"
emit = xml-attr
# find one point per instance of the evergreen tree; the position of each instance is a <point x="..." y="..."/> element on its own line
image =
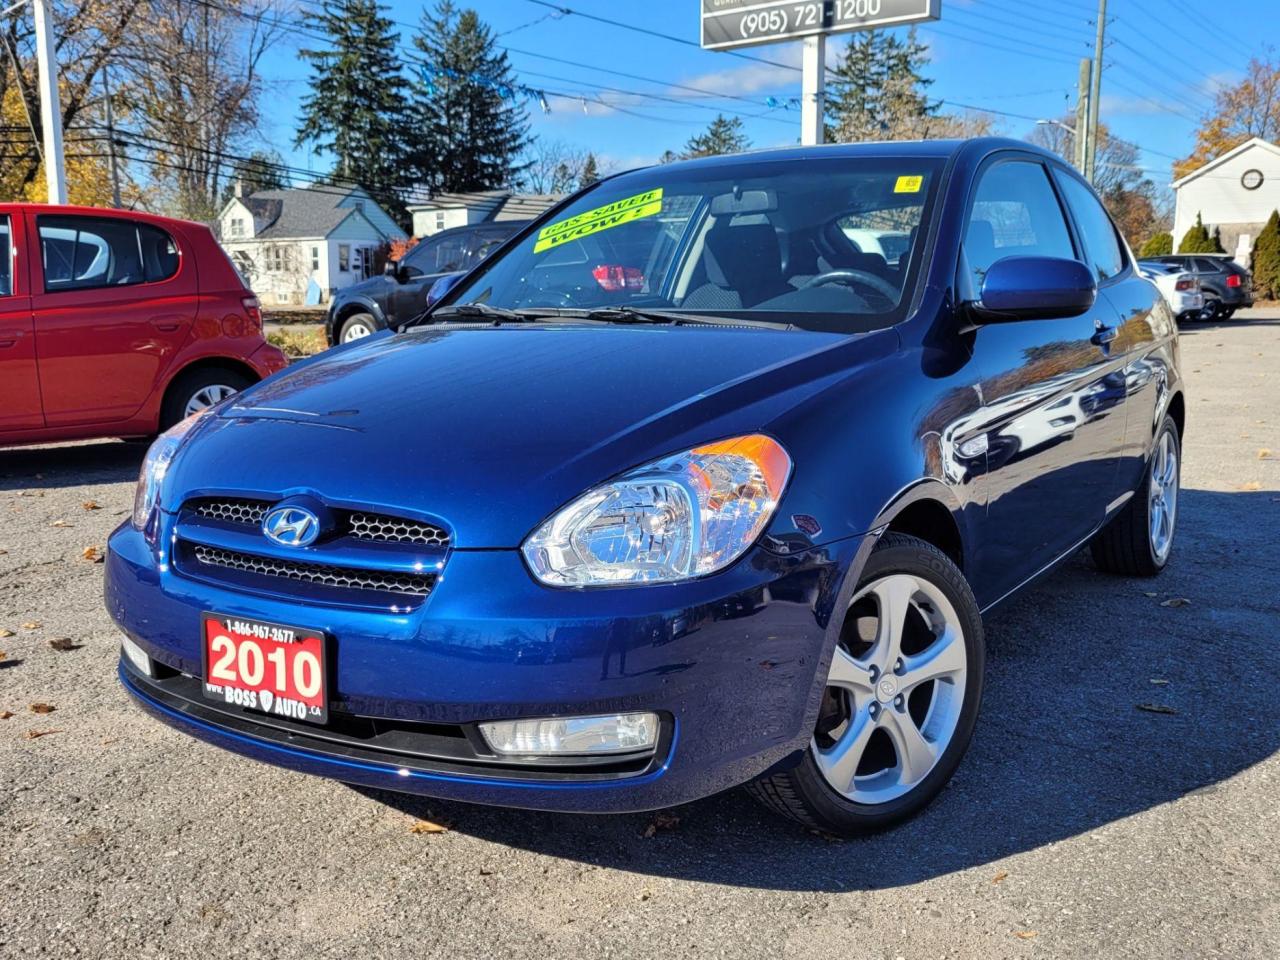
<point x="590" y="172"/>
<point x="1266" y="259"/>
<point x="1157" y="245"/>
<point x="1197" y="240"/>
<point x="261" y="170"/>
<point x="854" y="90"/>
<point x="469" y="125"/>
<point x="724" y="135"/>
<point x="356" y="106"/>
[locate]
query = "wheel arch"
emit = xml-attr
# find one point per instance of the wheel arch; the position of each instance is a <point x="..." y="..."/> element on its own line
<point x="1177" y="409"/>
<point x="343" y="311"/>
<point x="207" y="363"/>
<point x="928" y="512"/>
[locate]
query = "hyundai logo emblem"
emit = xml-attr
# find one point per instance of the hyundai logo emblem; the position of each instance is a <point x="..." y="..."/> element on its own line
<point x="291" y="526"/>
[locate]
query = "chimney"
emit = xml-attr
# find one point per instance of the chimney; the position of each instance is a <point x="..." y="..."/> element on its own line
<point x="241" y="188"/>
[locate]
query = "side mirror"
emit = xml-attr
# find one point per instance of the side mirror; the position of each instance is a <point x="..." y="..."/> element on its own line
<point x="391" y="269"/>
<point x="1035" y="288"/>
<point x="441" y="287"/>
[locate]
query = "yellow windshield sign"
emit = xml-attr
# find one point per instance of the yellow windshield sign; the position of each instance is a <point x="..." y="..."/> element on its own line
<point x="908" y="185"/>
<point x="601" y="218"/>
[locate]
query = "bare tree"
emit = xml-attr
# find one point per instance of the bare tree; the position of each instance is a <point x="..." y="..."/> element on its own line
<point x="552" y="166"/>
<point x="194" y="84"/>
<point x="87" y="31"/>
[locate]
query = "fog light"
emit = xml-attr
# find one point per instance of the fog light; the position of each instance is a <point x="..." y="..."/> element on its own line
<point x="564" y="736"/>
<point x="137" y="656"/>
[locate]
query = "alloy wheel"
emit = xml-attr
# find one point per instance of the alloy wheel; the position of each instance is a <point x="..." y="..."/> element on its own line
<point x="1163" y="496"/>
<point x="895" y="690"/>
<point x="208" y="396"/>
<point x="356" y="331"/>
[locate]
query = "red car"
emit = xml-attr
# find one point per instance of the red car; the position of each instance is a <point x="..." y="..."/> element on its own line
<point x="118" y="324"/>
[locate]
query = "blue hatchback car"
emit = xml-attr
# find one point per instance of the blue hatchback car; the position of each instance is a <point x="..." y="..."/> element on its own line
<point x="706" y="479"/>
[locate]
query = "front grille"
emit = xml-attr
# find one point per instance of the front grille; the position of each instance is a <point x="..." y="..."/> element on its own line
<point x="359" y="525"/>
<point x="371" y="526"/>
<point x="350" y="578"/>
<point x="233" y="511"/>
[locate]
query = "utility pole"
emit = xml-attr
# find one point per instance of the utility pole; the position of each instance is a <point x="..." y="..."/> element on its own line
<point x="1095" y="95"/>
<point x="111" y="139"/>
<point x="50" y="110"/>
<point x="813" y="93"/>
<point x="1082" y="115"/>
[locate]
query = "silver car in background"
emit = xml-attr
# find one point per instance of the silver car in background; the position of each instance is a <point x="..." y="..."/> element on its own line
<point x="1180" y="290"/>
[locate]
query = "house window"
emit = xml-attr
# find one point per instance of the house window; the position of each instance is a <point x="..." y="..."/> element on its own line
<point x="237" y="226"/>
<point x="315" y="259"/>
<point x="360" y="206"/>
<point x="440" y="220"/>
<point x="279" y="258"/>
<point x="344" y="257"/>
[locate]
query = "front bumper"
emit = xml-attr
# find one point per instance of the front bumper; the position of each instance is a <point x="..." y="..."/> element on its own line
<point x="731" y="662"/>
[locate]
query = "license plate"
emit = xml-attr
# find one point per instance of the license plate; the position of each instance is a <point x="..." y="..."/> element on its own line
<point x="267" y="667"/>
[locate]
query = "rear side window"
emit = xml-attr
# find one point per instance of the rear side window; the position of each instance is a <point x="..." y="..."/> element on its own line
<point x="1205" y="265"/>
<point x="84" y="253"/>
<point x="1102" y="244"/>
<point x="1015" y="213"/>
<point x="6" y="258"/>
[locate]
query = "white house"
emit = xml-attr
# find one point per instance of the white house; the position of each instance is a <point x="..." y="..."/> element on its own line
<point x="1235" y="193"/>
<point x="446" y="210"/>
<point x="284" y="240"/>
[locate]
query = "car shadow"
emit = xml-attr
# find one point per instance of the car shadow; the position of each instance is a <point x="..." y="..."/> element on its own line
<point x="70" y="465"/>
<point x="1195" y="326"/>
<point x="1105" y="697"/>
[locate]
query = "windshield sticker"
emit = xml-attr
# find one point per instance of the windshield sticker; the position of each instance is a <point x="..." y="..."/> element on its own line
<point x="908" y="184"/>
<point x="601" y="218"/>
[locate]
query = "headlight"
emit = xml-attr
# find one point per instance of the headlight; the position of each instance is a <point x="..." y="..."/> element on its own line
<point x="683" y="516"/>
<point x="156" y="464"/>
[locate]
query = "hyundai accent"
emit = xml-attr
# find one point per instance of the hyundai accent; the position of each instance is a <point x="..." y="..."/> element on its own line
<point x="690" y="486"/>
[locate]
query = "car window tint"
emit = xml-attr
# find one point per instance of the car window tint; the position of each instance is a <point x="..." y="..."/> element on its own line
<point x="448" y="255"/>
<point x="416" y="259"/>
<point x="6" y="259"/>
<point x="1015" y="213"/>
<point x="159" y="253"/>
<point x="1102" y="244"/>
<point x="1205" y="265"/>
<point x="81" y="253"/>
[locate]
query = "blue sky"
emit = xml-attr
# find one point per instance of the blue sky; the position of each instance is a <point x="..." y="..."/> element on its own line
<point x="1163" y="67"/>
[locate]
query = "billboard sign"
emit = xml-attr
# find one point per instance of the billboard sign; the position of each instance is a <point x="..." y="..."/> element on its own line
<point x="745" y="23"/>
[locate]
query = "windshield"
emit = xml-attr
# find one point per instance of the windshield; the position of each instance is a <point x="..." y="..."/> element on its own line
<point x="830" y="244"/>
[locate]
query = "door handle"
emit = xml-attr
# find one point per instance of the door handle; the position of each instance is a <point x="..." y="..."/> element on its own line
<point x="166" y="324"/>
<point x="9" y="337"/>
<point x="1103" y="335"/>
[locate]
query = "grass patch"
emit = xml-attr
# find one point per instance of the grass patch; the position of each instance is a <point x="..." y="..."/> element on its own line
<point x="299" y="343"/>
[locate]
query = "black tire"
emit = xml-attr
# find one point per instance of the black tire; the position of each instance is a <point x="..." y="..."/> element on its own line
<point x="802" y="793"/>
<point x="1212" y="309"/>
<point x="365" y="320"/>
<point x="191" y="383"/>
<point x="1228" y="312"/>
<point x="1124" y="546"/>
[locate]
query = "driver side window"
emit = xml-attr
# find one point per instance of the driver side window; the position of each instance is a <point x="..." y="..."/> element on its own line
<point x="1015" y="213"/>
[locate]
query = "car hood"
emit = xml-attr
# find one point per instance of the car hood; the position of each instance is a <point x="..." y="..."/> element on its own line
<point x="491" y="429"/>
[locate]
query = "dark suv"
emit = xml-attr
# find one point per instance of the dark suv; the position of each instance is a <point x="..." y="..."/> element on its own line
<point x="1226" y="285"/>
<point x="374" y="304"/>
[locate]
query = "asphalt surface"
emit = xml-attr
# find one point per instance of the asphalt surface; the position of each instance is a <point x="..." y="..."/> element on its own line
<point x="1078" y="826"/>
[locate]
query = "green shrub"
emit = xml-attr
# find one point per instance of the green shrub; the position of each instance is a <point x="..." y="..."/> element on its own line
<point x="1266" y="260"/>
<point x="1197" y="240"/>
<point x="1157" y="245"/>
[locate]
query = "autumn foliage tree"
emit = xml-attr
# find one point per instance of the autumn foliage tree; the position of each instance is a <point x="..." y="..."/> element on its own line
<point x="1249" y="109"/>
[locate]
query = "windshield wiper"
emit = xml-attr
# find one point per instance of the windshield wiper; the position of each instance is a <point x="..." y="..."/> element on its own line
<point x="630" y="315"/>
<point x="484" y="311"/>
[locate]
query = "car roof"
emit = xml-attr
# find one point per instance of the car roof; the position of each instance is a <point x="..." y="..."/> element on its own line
<point x="940" y="149"/>
<point x="136" y="215"/>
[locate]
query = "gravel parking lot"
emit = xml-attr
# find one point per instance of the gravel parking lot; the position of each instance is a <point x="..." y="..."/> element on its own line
<point x="1121" y="798"/>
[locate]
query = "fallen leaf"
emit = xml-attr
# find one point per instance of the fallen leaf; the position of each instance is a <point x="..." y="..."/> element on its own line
<point x="36" y="734"/>
<point x="93" y="554"/>
<point x="43" y="708"/>
<point x="60" y="523"/>
<point x="1159" y="682"/>
<point x="1265" y="454"/>
<point x="5" y="714"/>
<point x="661" y="821"/>
<point x="1150" y="593"/>
<point x="91" y="505"/>
<point x="428" y="826"/>
<point x="1026" y="934"/>
<point x="5" y="633"/>
<point x="30" y="625"/>
<point x="1156" y="708"/>
<point x="1176" y="602"/>
<point x="1251" y="485"/>
<point x="1000" y="876"/>
<point x="64" y="644"/>
<point x="3" y="552"/>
